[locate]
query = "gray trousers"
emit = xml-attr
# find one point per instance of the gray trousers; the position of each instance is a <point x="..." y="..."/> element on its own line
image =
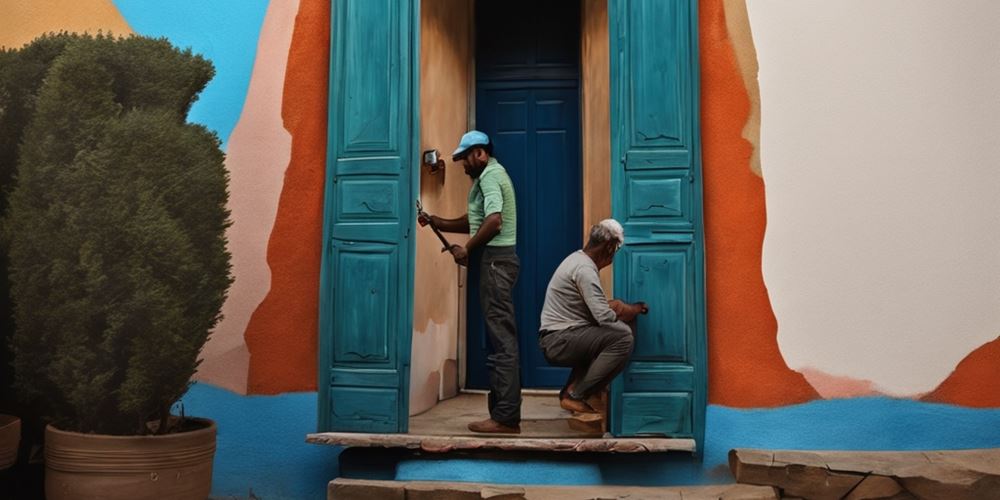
<point x="498" y="270"/>
<point x="596" y="353"/>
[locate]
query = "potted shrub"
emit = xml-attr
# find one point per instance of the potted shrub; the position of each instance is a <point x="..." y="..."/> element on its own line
<point x="118" y="267"/>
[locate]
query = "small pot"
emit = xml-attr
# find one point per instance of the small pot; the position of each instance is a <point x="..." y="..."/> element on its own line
<point x="99" y="466"/>
<point x="10" y="439"/>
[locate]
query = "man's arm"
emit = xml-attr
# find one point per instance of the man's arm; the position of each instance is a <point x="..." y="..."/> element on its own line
<point x="459" y="225"/>
<point x="589" y="284"/>
<point x="487" y="230"/>
<point x="492" y="224"/>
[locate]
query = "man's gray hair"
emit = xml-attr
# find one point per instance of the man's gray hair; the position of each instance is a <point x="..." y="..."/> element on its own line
<point x="606" y="230"/>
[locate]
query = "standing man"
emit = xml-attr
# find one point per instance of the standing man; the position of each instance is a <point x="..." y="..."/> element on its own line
<point x="491" y="223"/>
<point x="580" y="328"/>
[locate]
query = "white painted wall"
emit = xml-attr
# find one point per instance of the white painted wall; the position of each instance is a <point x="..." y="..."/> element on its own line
<point x="880" y="146"/>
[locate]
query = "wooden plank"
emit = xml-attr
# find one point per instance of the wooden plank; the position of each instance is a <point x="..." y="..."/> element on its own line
<point x="963" y="474"/>
<point x="349" y="489"/>
<point x="444" y="444"/>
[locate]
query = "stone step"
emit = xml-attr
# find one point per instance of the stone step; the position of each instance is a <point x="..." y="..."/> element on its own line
<point x="854" y="475"/>
<point x="359" y="489"/>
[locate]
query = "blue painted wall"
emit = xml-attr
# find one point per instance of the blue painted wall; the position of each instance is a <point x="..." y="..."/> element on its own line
<point x="261" y="445"/>
<point x="224" y="31"/>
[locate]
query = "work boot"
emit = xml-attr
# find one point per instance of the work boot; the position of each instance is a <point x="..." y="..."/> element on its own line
<point x="575" y="405"/>
<point x="490" y="426"/>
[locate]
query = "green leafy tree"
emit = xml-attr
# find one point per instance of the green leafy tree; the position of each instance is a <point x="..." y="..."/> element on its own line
<point x="21" y="74"/>
<point x="116" y="232"/>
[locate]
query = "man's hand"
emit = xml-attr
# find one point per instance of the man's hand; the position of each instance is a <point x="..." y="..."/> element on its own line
<point x="424" y="218"/>
<point x="460" y="254"/>
<point x="627" y="312"/>
<point x="617" y="306"/>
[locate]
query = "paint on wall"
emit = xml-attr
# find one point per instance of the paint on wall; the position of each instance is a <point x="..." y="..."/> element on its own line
<point x="282" y="332"/>
<point x="439" y="297"/>
<point x="224" y="31"/>
<point x="257" y="157"/>
<point x="975" y="381"/>
<point x="746" y="368"/>
<point x="596" y="120"/>
<point x="23" y="21"/>
<point x="741" y="38"/>
<point x="879" y="143"/>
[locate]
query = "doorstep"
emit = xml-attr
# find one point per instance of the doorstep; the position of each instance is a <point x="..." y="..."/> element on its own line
<point x="351" y="489"/>
<point x="544" y="427"/>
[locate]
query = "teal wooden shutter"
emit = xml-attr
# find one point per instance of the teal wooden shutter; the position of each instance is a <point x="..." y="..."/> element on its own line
<point x="656" y="195"/>
<point x="366" y="301"/>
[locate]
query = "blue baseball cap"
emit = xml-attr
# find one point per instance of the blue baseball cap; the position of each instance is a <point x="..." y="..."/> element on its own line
<point x="470" y="139"/>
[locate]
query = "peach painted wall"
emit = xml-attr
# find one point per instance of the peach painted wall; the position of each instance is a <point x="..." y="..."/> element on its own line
<point x="21" y="21"/>
<point x="596" y="120"/>
<point x="439" y="298"/>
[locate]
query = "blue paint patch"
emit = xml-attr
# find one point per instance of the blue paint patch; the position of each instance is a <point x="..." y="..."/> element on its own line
<point x="870" y="424"/>
<point x="261" y="444"/>
<point x="224" y="31"/>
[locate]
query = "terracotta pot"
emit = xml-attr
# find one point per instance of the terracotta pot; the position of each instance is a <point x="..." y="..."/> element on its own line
<point x="10" y="439"/>
<point x="92" y="466"/>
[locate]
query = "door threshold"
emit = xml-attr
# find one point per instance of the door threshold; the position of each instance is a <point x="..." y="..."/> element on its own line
<point x="445" y="444"/>
<point x="524" y="392"/>
<point x="544" y="427"/>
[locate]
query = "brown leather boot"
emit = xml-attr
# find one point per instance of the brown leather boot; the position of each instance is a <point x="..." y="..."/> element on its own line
<point x="491" y="426"/>
<point x="575" y="405"/>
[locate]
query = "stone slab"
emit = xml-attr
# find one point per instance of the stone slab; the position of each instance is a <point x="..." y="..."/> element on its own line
<point x="957" y="474"/>
<point x="357" y="489"/>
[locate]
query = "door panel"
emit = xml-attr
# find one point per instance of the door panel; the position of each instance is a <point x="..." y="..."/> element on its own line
<point x="366" y="306"/>
<point x="661" y="277"/>
<point x="656" y="194"/>
<point x="536" y="137"/>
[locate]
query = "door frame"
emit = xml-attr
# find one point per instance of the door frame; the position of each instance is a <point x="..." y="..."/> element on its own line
<point x="407" y="19"/>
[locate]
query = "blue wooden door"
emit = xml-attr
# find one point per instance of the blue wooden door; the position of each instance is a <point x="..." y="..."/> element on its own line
<point x="366" y="305"/>
<point x="656" y="194"/>
<point x="528" y="102"/>
<point x="535" y="131"/>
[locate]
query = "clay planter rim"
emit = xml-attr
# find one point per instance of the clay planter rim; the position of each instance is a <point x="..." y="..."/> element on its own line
<point x="8" y="420"/>
<point x="175" y="465"/>
<point x="10" y="440"/>
<point x="209" y="427"/>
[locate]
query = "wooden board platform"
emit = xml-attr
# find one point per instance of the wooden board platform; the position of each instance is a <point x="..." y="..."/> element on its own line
<point x="544" y="427"/>
<point x="351" y="489"/>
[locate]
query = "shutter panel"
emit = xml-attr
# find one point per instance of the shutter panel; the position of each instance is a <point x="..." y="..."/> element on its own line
<point x="656" y="187"/>
<point x="366" y="302"/>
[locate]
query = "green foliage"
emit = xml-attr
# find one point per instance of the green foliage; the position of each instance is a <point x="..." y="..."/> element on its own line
<point x="116" y="232"/>
<point x="21" y="75"/>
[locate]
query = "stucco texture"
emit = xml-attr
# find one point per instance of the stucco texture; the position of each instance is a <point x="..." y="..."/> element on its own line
<point x="439" y="298"/>
<point x="746" y="368"/>
<point x="282" y="334"/>
<point x="836" y="200"/>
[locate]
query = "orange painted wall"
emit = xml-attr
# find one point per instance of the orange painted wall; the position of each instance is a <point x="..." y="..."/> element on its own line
<point x="975" y="381"/>
<point x="745" y="367"/>
<point x="282" y="333"/>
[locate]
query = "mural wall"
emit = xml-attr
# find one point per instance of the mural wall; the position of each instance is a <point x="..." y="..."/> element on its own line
<point x="850" y="202"/>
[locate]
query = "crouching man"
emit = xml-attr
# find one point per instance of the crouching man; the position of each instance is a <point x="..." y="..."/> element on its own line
<point x="580" y="328"/>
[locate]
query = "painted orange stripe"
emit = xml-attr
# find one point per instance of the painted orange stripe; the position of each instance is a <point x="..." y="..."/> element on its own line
<point x="281" y="335"/>
<point x="975" y="381"/>
<point x="745" y="367"/>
